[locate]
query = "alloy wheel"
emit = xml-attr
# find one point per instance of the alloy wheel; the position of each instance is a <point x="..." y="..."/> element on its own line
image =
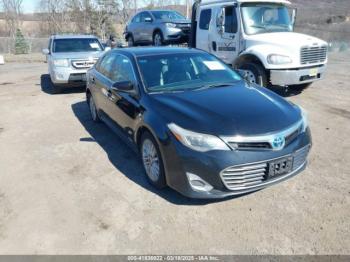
<point x="150" y="160"/>
<point x="158" y="40"/>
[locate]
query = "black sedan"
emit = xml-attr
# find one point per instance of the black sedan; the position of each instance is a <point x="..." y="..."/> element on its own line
<point x="199" y="127"/>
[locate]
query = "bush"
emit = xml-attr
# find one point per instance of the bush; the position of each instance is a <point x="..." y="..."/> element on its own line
<point x="21" y="45"/>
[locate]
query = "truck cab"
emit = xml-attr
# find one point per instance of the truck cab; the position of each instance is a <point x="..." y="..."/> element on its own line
<point x="257" y="36"/>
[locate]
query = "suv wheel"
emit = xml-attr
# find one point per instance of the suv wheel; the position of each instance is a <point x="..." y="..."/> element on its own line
<point x="158" y="39"/>
<point x="255" y="73"/>
<point x="93" y="109"/>
<point x="152" y="161"/>
<point x="131" y="42"/>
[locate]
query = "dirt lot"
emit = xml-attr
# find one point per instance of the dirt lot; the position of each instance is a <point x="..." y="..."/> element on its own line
<point x="69" y="186"/>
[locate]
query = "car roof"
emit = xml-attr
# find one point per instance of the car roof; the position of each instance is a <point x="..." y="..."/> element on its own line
<point x="73" y="36"/>
<point x="146" y="51"/>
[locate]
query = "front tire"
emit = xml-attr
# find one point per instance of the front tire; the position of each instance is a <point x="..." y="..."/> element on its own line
<point x="158" y="39"/>
<point x="152" y="161"/>
<point x="131" y="41"/>
<point x="255" y="73"/>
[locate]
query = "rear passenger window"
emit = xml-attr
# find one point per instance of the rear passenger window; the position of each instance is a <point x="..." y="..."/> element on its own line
<point x="230" y="20"/>
<point x="204" y="20"/>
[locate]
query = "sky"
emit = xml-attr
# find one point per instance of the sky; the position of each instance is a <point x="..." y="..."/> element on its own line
<point x="29" y="6"/>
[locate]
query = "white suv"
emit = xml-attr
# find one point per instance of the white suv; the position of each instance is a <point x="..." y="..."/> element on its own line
<point x="69" y="57"/>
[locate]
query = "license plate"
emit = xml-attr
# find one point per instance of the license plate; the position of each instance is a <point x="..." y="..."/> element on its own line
<point x="280" y="167"/>
<point x="313" y="72"/>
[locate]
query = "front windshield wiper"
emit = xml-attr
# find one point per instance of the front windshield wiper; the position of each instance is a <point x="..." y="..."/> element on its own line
<point x="217" y="85"/>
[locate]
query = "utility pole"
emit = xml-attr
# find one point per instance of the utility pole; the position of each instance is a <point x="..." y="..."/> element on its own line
<point x="188" y="6"/>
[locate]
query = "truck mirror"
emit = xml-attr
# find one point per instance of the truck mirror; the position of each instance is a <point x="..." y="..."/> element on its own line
<point x="220" y="21"/>
<point x="293" y="16"/>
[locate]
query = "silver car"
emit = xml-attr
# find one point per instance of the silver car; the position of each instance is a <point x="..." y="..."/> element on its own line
<point x="157" y="27"/>
<point x="69" y="57"/>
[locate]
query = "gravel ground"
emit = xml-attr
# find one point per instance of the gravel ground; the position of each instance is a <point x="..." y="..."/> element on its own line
<point x="69" y="186"/>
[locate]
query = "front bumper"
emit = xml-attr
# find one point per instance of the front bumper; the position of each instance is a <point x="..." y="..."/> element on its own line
<point x="179" y="161"/>
<point x="297" y="76"/>
<point x="176" y="35"/>
<point x="68" y="75"/>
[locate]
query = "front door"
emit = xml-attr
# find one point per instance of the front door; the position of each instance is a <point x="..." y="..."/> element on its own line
<point x="224" y="37"/>
<point x="123" y="107"/>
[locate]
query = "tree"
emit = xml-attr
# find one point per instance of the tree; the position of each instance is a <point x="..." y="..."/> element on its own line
<point x="12" y="11"/>
<point x="21" y="45"/>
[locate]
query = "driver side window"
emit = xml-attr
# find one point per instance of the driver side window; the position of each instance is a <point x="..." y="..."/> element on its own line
<point x="122" y="70"/>
<point x="231" y="24"/>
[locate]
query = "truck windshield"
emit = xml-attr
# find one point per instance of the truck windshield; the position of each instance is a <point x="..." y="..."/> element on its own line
<point x="76" y="45"/>
<point x="259" y="18"/>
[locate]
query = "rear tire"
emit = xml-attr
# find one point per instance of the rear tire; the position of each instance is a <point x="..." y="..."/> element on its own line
<point x="152" y="161"/>
<point x="255" y="73"/>
<point x="93" y="110"/>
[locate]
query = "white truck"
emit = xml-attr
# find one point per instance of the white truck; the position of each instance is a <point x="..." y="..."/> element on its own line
<point x="257" y="36"/>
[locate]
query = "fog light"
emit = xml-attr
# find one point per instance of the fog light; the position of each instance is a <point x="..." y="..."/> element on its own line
<point x="198" y="184"/>
<point x="59" y="76"/>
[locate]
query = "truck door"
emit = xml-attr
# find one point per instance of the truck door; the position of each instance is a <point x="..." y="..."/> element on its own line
<point x="224" y="37"/>
<point x="203" y="25"/>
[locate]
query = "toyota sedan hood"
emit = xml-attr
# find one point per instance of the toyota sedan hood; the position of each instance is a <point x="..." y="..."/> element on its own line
<point x="236" y="110"/>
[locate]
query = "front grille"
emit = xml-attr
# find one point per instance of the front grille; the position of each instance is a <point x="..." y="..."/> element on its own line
<point x="185" y="28"/>
<point x="252" y="175"/>
<point x="300" y="157"/>
<point x="247" y="146"/>
<point x="313" y="54"/>
<point x="81" y="64"/>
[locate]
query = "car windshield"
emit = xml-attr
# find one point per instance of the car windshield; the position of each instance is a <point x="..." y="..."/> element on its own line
<point x="167" y="15"/>
<point x="259" y="18"/>
<point x="182" y="72"/>
<point x="76" y="45"/>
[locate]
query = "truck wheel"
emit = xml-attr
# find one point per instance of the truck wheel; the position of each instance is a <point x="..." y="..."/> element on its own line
<point x="255" y="73"/>
<point x="152" y="161"/>
<point x="158" y="39"/>
<point x="54" y="89"/>
<point x="131" y="42"/>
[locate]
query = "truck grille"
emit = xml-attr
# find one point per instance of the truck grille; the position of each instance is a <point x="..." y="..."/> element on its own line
<point x="252" y="175"/>
<point x="313" y="54"/>
<point x="81" y="64"/>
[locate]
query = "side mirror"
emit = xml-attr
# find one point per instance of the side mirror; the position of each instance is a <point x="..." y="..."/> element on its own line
<point x="124" y="86"/>
<point x="148" y="20"/>
<point x="293" y="16"/>
<point x="46" y="51"/>
<point x="220" y="22"/>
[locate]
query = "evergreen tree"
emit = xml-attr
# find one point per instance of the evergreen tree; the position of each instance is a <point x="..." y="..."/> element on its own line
<point x="21" y="45"/>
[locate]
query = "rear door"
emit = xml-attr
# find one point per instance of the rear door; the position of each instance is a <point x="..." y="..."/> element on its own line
<point x="102" y="83"/>
<point x="147" y="22"/>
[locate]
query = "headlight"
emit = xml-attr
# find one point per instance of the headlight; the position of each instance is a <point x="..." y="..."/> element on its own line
<point x="172" y="25"/>
<point x="305" y="118"/>
<point x="61" y="62"/>
<point x="197" y="141"/>
<point x="278" y="59"/>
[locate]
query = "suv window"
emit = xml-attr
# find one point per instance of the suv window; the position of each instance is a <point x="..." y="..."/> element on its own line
<point x="122" y="69"/>
<point x="105" y="66"/>
<point x="231" y="25"/>
<point x="144" y="16"/>
<point x="76" y="45"/>
<point x="204" y="20"/>
<point x="137" y="19"/>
